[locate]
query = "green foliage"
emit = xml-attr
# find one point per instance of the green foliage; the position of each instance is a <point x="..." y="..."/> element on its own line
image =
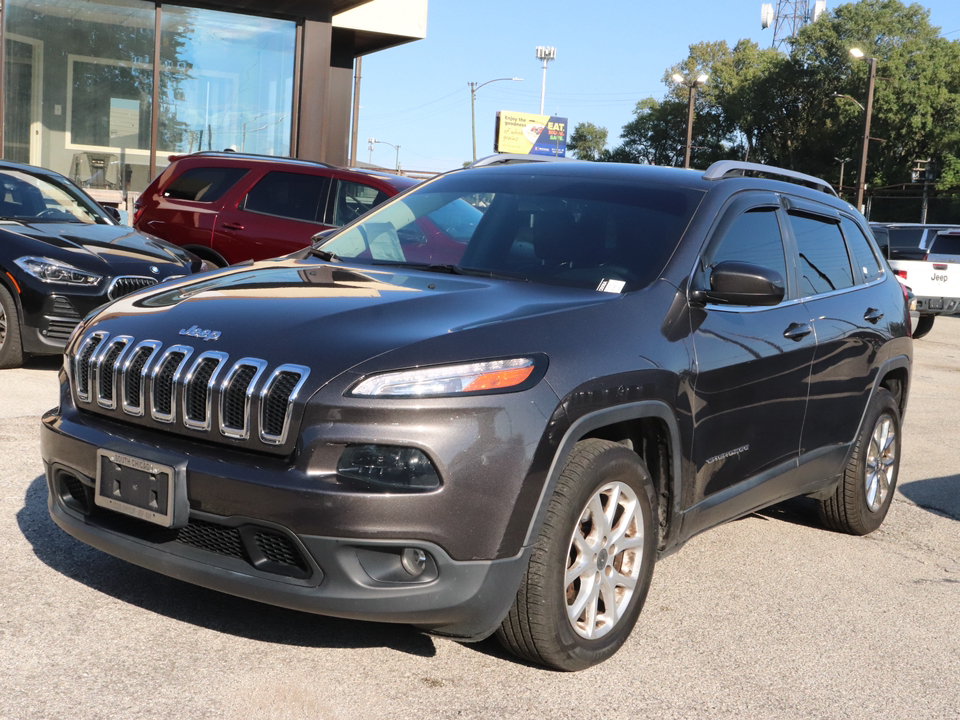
<point x="588" y="141"/>
<point x="800" y="109"/>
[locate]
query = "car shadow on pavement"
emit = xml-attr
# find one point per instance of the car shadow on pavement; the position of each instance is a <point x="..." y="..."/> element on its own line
<point x="937" y="495"/>
<point x="797" y="511"/>
<point x="195" y="605"/>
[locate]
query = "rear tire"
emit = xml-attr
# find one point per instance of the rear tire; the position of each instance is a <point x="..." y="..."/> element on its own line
<point x="591" y="567"/>
<point x="861" y="500"/>
<point x="924" y="326"/>
<point x="11" y="351"/>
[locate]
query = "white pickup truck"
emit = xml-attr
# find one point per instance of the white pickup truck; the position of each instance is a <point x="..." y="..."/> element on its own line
<point x="926" y="258"/>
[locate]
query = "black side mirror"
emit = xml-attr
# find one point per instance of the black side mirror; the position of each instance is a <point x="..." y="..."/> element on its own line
<point x="112" y="212"/>
<point x="742" y="283"/>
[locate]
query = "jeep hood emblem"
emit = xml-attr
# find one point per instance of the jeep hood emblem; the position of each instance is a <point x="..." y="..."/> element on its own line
<point x="195" y="331"/>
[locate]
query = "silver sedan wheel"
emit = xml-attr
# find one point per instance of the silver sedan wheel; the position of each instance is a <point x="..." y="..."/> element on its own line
<point x="604" y="560"/>
<point x="880" y="461"/>
<point x="3" y="326"/>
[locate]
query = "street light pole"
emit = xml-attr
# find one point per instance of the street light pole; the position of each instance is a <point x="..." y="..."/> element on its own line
<point x="473" y="107"/>
<point x="868" y="114"/>
<point x="373" y="141"/>
<point x="692" y="85"/>
<point x="545" y="53"/>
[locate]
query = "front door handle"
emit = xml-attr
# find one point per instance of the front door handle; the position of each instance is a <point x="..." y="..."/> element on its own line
<point x="797" y="331"/>
<point x="872" y="315"/>
<point x="232" y="226"/>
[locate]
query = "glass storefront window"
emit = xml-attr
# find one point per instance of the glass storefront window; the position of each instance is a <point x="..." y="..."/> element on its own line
<point x="79" y="87"/>
<point x="226" y="82"/>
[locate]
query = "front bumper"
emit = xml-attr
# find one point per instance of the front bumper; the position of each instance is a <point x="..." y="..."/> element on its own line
<point x="261" y="551"/>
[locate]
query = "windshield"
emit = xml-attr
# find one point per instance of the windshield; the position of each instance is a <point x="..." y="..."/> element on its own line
<point x="31" y="198"/>
<point x="559" y="229"/>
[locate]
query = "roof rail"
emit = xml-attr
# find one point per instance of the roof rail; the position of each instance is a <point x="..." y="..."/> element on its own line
<point x="251" y="156"/>
<point x="734" y="168"/>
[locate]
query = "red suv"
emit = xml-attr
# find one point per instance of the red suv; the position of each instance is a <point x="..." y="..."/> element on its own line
<point x="229" y="207"/>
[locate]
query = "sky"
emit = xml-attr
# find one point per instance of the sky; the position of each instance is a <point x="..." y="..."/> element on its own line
<point x="610" y="54"/>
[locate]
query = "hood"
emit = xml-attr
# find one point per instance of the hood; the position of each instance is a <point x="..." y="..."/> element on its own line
<point x="328" y="317"/>
<point x="118" y="246"/>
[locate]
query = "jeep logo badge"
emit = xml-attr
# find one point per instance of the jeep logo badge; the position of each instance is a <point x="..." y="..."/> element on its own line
<point x="196" y="332"/>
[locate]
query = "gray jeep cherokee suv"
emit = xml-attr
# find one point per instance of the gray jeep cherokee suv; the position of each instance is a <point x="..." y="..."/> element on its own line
<point x="609" y="361"/>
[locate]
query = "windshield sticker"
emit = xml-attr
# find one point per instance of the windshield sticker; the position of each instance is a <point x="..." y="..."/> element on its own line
<point x="611" y="286"/>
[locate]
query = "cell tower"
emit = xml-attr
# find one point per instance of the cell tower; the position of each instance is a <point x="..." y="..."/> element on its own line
<point x="788" y="16"/>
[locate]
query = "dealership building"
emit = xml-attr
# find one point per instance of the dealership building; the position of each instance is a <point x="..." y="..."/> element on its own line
<point x="104" y="91"/>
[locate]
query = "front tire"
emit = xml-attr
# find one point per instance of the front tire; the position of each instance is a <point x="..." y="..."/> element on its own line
<point x="591" y="567"/>
<point x="861" y="500"/>
<point x="924" y="325"/>
<point x="11" y="351"/>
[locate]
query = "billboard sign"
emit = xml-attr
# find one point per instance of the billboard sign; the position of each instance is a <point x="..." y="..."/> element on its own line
<point x="527" y="134"/>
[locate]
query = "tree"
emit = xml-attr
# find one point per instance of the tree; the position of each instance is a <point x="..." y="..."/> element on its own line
<point x="588" y="141"/>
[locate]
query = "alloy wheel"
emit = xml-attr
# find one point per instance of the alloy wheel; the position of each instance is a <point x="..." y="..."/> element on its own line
<point x="879" y="466"/>
<point x="604" y="560"/>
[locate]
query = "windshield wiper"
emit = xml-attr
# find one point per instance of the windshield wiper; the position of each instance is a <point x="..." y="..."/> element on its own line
<point x="325" y="255"/>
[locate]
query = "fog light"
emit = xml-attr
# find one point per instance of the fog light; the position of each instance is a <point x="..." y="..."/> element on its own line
<point x="414" y="561"/>
<point x="396" y="467"/>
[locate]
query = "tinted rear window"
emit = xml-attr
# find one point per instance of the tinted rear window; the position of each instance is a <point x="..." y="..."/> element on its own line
<point x="946" y="245"/>
<point x="207" y="184"/>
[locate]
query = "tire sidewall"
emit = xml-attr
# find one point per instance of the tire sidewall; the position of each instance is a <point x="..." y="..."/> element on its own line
<point x="613" y="465"/>
<point x="11" y="354"/>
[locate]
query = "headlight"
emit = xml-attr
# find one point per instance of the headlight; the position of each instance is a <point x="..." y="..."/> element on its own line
<point x="56" y="271"/>
<point x="478" y="377"/>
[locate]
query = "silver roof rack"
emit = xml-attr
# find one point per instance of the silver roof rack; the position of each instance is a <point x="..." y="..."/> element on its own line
<point x="735" y="168"/>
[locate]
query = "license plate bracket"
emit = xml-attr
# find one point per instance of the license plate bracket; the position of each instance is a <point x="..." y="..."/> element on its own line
<point x="140" y="487"/>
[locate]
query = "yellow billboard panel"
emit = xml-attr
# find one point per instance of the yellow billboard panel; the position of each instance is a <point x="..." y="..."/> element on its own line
<point x="528" y="134"/>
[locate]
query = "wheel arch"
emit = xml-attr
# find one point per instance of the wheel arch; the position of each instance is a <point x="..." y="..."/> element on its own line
<point x="650" y="429"/>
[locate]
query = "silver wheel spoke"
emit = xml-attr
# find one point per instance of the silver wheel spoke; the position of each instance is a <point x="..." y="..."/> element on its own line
<point x="625" y="523"/>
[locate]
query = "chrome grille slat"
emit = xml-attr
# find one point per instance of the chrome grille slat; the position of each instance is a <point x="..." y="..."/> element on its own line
<point x="134" y="374"/>
<point x="105" y="370"/>
<point x="163" y="383"/>
<point x="276" y="402"/>
<point x="236" y="395"/>
<point x="242" y="398"/>
<point x="199" y="383"/>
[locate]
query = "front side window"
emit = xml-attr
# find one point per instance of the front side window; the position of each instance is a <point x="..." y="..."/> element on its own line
<point x="353" y="200"/>
<point x="754" y="237"/>
<point x="824" y="262"/>
<point x="290" y="195"/>
<point x="561" y="230"/>
<point x="33" y="199"/>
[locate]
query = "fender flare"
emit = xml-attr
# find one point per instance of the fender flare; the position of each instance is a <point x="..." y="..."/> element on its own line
<point x="609" y="416"/>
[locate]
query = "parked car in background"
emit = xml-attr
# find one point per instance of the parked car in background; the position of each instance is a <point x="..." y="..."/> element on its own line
<point x="926" y="258"/>
<point x="620" y="358"/>
<point x="61" y="256"/>
<point x="229" y="207"/>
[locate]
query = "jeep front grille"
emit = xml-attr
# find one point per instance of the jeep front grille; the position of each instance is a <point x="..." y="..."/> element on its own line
<point x="168" y="385"/>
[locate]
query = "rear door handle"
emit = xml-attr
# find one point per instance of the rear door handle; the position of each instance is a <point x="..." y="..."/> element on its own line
<point x="872" y="315"/>
<point x="232" y="226"/>
<point x="797" y="331"/>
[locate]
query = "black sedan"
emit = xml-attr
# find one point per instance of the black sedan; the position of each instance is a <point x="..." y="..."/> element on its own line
<point x="61" y="256"/>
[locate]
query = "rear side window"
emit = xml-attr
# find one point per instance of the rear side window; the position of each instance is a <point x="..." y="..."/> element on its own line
<point x="824" y="263"/>
<point x="290" y="195"/>
<point x="862" y="253"/>
<point x="207" y="184"/>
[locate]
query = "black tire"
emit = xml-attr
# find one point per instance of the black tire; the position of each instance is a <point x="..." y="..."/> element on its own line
<point x="540" y="627"/>
<point x="861" y="500"/>
<point x="924" y="325"/>
<point x="11" y="351"/>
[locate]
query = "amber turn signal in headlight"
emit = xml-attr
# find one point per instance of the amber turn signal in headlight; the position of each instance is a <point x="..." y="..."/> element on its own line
<point x="487" y="376"/>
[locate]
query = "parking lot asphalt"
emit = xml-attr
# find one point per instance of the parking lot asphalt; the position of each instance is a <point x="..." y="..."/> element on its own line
<point x="767" y="617"/>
